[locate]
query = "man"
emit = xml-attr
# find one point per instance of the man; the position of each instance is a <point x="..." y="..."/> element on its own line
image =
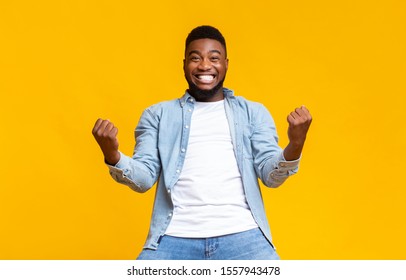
<point x="207" y="150"/>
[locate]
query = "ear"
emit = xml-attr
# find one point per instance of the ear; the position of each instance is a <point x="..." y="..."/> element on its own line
<point x="184" y="63"/>
<point x="226" y="63"/>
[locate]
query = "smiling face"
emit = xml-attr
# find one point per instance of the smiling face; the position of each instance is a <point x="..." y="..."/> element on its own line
<point x="205" y="66"/>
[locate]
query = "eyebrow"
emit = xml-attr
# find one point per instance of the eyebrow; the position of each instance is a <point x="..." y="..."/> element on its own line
<point x="199" y="53"/>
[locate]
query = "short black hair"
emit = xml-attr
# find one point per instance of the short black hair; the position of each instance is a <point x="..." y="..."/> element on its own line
<point x="206" y="32"/>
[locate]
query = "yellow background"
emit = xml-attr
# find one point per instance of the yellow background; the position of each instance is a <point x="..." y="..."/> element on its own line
<point x="63" y="64"/>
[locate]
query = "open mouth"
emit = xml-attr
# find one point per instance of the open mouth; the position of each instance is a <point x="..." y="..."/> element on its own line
<point x="205" y="77"/>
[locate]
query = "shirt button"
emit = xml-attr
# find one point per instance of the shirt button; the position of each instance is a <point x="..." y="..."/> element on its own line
<point x="183" y="150"/>
<point x="177" y="171"/>
<point x="186" y="126"/>
<point x="190" y="110"/>
<point x="170" y="215"/>
<point x="169" y="190"/>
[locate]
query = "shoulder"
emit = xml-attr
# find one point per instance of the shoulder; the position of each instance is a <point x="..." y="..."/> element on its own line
<point x="242" y="102"/>
<point x="249" y="104"/>
<point x="253" y="109"/>
<point x="162" y="107"/>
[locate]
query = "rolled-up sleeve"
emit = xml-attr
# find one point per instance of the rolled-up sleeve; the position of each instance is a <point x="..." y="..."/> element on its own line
<point x="280" y="170"/>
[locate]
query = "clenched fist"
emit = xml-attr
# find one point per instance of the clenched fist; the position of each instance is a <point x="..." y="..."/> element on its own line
<point x="299" y="122"/>
<point x="105" y="134"/>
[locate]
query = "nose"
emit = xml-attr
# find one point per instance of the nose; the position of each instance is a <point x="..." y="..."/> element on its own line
<point x="204" y="64"/>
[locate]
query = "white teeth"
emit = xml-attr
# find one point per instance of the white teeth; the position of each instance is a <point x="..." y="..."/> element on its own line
<point x="205" y="77"/>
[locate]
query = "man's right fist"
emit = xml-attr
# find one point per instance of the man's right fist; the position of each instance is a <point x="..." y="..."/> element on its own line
<point x="105" y="134"/>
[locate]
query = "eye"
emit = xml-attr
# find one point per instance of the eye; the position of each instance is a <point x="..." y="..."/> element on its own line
<point x="194" y="58"/>
<point x="215" y="58"/>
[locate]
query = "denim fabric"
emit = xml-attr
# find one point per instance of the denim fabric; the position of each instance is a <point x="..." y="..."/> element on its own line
<point x="162" y="136"/>
<point x="247" y="245"/>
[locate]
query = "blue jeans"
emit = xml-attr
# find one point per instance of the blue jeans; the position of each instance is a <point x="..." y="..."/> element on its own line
<point x="246" y="245"/>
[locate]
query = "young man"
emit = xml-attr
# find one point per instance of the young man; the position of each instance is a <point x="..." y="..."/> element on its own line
<point x="207" y="150"/>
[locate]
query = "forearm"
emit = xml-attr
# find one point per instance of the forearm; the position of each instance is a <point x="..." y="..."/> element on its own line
<point x="293" y="151"/>
<point x="111" y="157"/>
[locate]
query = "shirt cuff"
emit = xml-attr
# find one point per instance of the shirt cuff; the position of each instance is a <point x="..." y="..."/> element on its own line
<point x="121" y="164"/>
<point x="288" y="164"/>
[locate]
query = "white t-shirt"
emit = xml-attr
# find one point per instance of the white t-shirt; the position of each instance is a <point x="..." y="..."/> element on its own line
<point x="209" y="198"/>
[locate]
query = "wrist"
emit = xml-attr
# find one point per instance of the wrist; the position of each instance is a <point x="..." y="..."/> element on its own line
<point x="293" y="151"/>
<point x="297" y="143"/>
<point x="112" y="158"/>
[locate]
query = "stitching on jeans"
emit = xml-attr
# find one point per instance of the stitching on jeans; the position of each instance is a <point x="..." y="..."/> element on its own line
<point x="211" y="247"/>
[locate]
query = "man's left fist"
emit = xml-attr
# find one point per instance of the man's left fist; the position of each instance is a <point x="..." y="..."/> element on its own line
<point x="299" y="122"/>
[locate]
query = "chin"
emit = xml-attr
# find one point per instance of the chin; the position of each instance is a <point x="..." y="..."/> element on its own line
<point x="203" y="94"/>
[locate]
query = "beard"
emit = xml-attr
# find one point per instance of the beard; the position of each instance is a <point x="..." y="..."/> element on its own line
<point x="201" y="94"/>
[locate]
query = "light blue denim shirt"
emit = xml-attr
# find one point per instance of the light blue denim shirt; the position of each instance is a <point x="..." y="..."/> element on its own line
<point x="162" y="136"/>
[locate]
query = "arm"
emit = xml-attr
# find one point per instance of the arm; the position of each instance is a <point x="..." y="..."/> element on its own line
<point x="142" y="170"/>
<point x="273" y="164"/>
